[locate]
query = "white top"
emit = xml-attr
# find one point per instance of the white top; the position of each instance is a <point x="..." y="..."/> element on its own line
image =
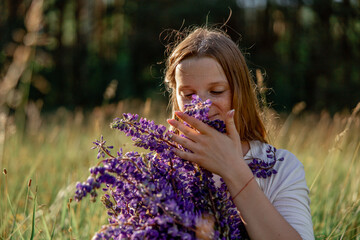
<point x="287" y="190"/>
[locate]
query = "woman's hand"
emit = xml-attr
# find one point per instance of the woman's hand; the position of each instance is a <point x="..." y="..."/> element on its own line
<point x="214" y="151"/>
<point x="222" y="154"/>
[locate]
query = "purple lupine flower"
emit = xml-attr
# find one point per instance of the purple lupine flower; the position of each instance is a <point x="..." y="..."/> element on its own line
<point x="264" y="169"/>
<point x="157" y="195"/>
<point x="102" y="148"/>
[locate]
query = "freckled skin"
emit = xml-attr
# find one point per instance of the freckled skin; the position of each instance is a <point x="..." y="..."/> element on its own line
<point x="205" y="77"/>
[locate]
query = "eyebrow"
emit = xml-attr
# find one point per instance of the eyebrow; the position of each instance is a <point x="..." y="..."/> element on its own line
<point x="221" y="83"/>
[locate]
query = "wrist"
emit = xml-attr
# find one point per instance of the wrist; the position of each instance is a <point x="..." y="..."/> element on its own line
<point x="239" y="192"/>
<point x="237" y="176"/>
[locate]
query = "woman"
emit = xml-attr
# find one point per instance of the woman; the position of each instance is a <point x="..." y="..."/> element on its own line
<point x="209" y="64"/>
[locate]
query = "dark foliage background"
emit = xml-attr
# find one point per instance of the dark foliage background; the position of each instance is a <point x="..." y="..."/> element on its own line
<point x="308" y="50"/>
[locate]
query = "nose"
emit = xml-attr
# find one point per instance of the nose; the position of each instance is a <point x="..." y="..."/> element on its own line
<point x="204" y="96"/>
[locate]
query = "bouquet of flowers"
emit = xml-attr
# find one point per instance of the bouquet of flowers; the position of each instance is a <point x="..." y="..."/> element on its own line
<point x="157" y="195"/>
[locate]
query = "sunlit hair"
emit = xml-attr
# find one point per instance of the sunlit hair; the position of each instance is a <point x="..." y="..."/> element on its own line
<point x="214" y="43"/>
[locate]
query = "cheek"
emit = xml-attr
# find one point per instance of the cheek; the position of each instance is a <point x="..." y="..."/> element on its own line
<point x="230" y="103"/>
<point x="227" y="103"/>
<point x="180" y="103"/>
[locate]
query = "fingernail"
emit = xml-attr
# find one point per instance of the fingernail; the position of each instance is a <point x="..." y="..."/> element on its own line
<point x="178" y="113"/>
<point x="231" y="113"/>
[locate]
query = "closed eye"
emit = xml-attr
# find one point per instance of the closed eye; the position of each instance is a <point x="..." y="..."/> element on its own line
<point x="216" y="92"/>
<point x="188" y="95"/>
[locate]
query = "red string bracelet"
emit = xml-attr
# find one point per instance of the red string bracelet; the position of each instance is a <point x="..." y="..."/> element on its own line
<point x="242" y="188"/>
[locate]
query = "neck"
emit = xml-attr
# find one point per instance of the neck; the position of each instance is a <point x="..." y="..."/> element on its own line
<point x="245" y="145"/>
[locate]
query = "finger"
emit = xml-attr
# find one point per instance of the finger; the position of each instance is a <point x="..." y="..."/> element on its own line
<point x="187" y="131"/>
<point x="184" y="142"/>
<point x="197" y="124"/>
<point x="184" y="155"/>
<point x="230" y="125"/>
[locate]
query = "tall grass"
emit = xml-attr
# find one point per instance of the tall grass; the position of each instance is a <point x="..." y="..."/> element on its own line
<point x="41" y="159"/>
<point x="54" y="156"/>
<point x="44" y="164"/>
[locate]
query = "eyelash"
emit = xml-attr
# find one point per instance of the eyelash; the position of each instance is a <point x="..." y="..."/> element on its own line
<point x="212" y="92"/>
<point x="216" y="92"/>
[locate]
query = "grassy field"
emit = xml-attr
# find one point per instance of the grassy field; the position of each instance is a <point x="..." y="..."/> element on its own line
<point x="41" y="164"/>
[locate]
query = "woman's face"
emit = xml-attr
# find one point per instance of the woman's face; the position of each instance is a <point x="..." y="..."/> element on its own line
<point x="205" y="77"/>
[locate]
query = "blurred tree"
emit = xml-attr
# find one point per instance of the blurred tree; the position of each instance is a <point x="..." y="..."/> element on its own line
<point x="309" y="49"/>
